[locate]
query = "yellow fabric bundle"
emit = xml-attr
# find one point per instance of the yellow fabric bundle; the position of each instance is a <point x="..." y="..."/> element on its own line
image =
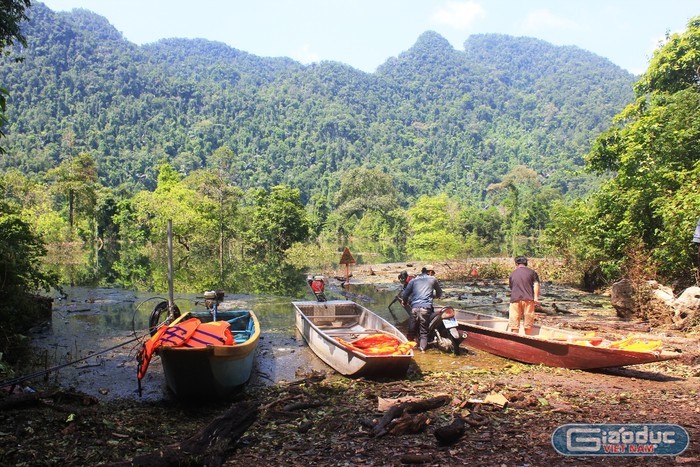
<point x="636" y="344"/>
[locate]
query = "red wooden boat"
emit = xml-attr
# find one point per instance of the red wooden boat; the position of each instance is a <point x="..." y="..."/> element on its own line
<point x="553" y="346"/>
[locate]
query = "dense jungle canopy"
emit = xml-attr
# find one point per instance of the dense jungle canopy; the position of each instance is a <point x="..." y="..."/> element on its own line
<point x="509" y="146"/>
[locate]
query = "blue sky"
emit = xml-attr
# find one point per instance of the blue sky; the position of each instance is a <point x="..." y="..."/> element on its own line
<point x="365" y="33"/>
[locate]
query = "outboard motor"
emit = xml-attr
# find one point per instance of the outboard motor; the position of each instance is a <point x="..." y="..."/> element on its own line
<point x="212" y="299"/>
<point x="318" y="287"/>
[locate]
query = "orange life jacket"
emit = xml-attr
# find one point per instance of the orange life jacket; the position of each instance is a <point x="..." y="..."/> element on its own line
<point x="178" y="334"/>
<point x="189" y="333"/>
<point x="146" y="352"/>
<point x="214" y="333"/>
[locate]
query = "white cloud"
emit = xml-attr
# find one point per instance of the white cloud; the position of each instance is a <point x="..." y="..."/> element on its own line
<point x="459" y="15"/>
<point x="545" y="19"/>
<point x="305" y="55"/>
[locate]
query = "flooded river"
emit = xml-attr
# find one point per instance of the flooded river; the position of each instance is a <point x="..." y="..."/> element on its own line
<point x="101" y="330"/>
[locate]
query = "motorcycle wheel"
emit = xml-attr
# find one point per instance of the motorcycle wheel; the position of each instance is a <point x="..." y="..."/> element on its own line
<point x="160" y="317"/>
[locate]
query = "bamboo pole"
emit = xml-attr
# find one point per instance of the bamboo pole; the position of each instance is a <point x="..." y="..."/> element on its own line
<point x="171" y="300"/>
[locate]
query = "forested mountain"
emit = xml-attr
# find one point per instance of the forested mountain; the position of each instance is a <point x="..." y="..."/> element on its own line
<point x="435" y="118"/>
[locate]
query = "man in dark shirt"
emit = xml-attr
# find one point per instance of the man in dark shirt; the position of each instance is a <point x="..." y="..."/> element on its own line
<point x="525" y="293"/>
<point x="420" y="291"/>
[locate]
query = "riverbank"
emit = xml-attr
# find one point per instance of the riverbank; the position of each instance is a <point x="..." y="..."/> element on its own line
<point x="315" y="419"/>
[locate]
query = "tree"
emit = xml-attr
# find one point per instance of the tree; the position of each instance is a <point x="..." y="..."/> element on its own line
<point x="483" y="229"/>
<point x="215" y="185"/>
<point x="12" y="13"/>
<point x="364" y="189"/>
<point x="278" y="220"/>
<point x="653" y="153"/>
<point x="367" y="193"/>
<point x="21" y="274"/>
<point x="20" y="253"/>
<point x="76" y="180"/>
<point x="433" y="232"/>
<point x="521" y="182"/>
<point x="143" y="227"/>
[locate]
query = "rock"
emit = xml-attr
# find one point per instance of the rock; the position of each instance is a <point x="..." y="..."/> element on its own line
<point x="450" y="434"/>
<point x="622" y="298"/>
<point x="687" y="306"/>
<point x="659" y="308"/>
<point x="646" y="300"/>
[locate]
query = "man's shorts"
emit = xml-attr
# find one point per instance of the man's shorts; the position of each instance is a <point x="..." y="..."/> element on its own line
<point x="522" y="310"/>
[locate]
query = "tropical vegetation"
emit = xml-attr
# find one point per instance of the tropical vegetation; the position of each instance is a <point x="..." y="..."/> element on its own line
<point x="268" y="167"/>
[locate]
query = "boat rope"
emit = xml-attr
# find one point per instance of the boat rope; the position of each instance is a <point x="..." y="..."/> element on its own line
<point x="14" y="381"/>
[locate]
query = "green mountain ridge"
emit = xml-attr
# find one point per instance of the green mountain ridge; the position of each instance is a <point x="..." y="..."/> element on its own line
<point x="437" y="119"/>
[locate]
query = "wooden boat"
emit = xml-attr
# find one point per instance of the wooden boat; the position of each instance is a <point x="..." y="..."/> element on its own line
<point x="549" y="346"/>
<point x="323" y="323"/>
<point x="218" y="370"/>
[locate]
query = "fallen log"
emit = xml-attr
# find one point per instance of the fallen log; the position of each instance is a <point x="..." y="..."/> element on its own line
<point x="385" y="424"/>
<point x="210" y="446"/>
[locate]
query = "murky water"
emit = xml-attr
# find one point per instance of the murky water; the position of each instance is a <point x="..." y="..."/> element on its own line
<point x="102" y="329"/>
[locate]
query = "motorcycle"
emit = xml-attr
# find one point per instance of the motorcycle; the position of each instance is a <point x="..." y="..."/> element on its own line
<point x="443" y="332"/>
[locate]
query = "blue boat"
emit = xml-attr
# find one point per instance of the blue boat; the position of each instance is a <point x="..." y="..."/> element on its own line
<point x="215" y="371"/>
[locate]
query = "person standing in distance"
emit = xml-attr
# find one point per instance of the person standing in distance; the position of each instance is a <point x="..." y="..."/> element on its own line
<point x="421" y="291"/>
<point x="696" y="241"/>
<point x="524" y="286"/>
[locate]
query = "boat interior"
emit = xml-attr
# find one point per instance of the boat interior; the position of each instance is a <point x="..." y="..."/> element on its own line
<point x="501" y="325"/>
<point x="332" y="315"/>
<point x="242" y="326"/>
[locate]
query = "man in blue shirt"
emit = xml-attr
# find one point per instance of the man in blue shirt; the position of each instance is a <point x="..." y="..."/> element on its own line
<point x="421" y="291"/>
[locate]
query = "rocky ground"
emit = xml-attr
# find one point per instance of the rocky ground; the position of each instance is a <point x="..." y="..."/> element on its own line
<point x="325" y="419"/>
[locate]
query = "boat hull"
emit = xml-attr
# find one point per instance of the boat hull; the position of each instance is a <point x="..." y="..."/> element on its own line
<point x="214" y="371"/>
<point x="548" y="346"/>
<point x="321" y="322"/>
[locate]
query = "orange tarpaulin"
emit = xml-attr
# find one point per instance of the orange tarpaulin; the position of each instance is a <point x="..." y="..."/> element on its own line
<point x="379" y="344"/>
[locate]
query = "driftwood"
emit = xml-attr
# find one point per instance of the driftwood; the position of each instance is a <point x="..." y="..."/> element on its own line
<point x="20" y="401"/>
<point x="210" y="446"/>
<point x="408" y="424"/>
<point x="385" y="425"/>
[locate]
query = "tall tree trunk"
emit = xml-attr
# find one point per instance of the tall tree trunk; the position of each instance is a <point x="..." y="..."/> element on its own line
<point x="70" y="209"/>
